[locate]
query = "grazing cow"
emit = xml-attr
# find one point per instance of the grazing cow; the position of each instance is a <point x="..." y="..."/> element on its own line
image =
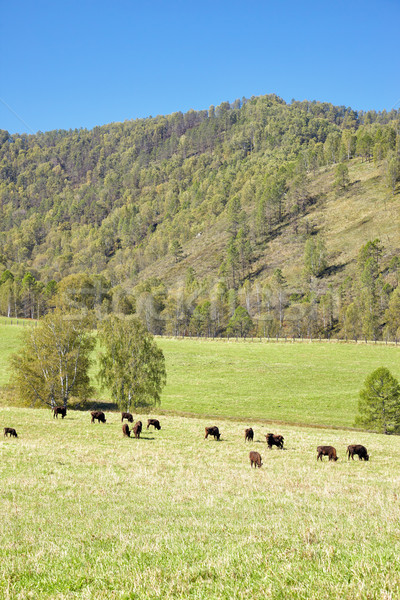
<point x="327" y="451"/>
<point x="248" y="434"/>
<point x="137" y="429"/>
<point x="274" y="440"/>
<point x="212" y="431"/>
<point x="99" y="415"/>
<point x="125" y="430"/>
<point x="255" y="459"/>
<point x="10" y="431"/>
<point x="59" y="410"/>
<point x="357" y="449"/>
<point x="155" y="423"/>
<point x="126" y="416"/>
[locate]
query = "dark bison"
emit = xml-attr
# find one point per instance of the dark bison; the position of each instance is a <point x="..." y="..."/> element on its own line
<point x="10" y="431"/>
<point x="357" y="449"/>
<point x="212" y="431"/>
<point x="248" y="434"/>
<point x="99" y="415"/>
<point x="326" y="451"/>
<point x="255" y="459"/>
<point x="126" y="416"/>
<point x="137" y="429"/>
<point x="274" y="440"/>
<point x="125" y="430"/>
<point x="155" y="423"/>
<point x="59" y="410"/>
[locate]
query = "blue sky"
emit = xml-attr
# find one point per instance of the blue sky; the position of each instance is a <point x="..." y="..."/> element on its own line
<point x="80" y="64"/>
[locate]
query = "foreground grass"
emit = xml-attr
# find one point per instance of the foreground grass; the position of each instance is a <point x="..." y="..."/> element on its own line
<point x="85" y="513"/>
<point x="298" y="382"/>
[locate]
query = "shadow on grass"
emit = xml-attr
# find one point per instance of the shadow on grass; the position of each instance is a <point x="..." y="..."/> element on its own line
<point x="95" y="405"/>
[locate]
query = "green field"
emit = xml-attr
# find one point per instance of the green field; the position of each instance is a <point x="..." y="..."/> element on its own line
<point x="313" y="383"/>
<point x="309" y="383"/>
<point x="88" y="514"/>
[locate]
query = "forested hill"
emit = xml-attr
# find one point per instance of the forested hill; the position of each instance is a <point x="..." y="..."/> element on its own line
<point x="255" y="215"/>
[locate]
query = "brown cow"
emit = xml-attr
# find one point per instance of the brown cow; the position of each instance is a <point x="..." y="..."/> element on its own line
<point x="10" y="431"/>
<point x="274" y="440"/>
<point x="126" y="430"/>
<point x="126" y="416"/>
<point x="137" y="429"/>
<point x="255" y="459"/>
<point x="155" y="423"/>
<point x="99" y="415"/>
<point x="212" y="431"/>
<point x="327" y="451"/>
<point x="248" y="434"/>
<point x="59" y="410"/>
<point x="361" y="451"/>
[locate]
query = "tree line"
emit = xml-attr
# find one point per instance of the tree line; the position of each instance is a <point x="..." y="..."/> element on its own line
<point x="84" y="213"/>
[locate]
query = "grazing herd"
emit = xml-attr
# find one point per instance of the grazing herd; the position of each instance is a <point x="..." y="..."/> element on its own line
<point x="272" y="439"/>
<point x="277" y="440"/>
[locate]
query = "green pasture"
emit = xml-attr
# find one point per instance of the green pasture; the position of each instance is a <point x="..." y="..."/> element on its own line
<point x="313" y="383"/>
<point x="88" y="514"/>
<point x="302" y="383"/>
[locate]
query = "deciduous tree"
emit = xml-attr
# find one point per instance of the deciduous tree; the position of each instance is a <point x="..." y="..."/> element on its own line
<point x="132" y="366"/>
<point x="53" y="363"/>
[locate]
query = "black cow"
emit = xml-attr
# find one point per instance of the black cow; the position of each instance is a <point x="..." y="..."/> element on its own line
<point x="155" y="423"/>
<point x="274" y="440"/>
<point x="10" y="432"/>
<point x="99" y="415"/>
<point x="361" y="451"/>
<point x="212" y="431"/>
<point x="255" y="459"/>
<point x="126" y="416"/>
<point x="327" y="451"/>
<point x="59" y="410"/>
<point x="248" y="434"/>
<point x="137" y="429"/>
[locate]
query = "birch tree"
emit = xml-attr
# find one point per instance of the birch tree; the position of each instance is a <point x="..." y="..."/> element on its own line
<point x="54" y="360"/>
<point x="132" y="367"/>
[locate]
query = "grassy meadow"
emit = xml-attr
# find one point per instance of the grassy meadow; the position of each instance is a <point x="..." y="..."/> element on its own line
<point x="309" y="383"/>
<point x="301" y="383"/>
<point x="86" y="513"/>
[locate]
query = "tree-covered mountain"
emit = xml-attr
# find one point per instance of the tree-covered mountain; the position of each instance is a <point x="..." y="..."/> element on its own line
<point x="253" y="215"/>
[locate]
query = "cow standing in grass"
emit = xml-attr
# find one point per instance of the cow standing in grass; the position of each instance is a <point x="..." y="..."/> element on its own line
<point x="212" y="431"/>
<point x="10" y="432"/>
<point x="255" y="459"/>
<point x="127" y="416"/>
<point x="248" y="435"/>
<point x="329" y="451"/>
<point x="125" y="430"/>
<point x="274" y="440"/>
<point x="358" y="449"/>
<point x="59" y="410"/>
<point x="99" y="415"/>
<point x="137" y="429"/>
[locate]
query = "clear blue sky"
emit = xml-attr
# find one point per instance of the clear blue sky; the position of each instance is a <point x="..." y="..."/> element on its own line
<point x="85" y="63"/>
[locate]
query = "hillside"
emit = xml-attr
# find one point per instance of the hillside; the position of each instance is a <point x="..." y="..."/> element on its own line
<point x="257" y="205"/>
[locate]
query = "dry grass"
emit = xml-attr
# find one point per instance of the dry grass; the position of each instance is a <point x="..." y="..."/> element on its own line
<point x="88" y="514"/>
